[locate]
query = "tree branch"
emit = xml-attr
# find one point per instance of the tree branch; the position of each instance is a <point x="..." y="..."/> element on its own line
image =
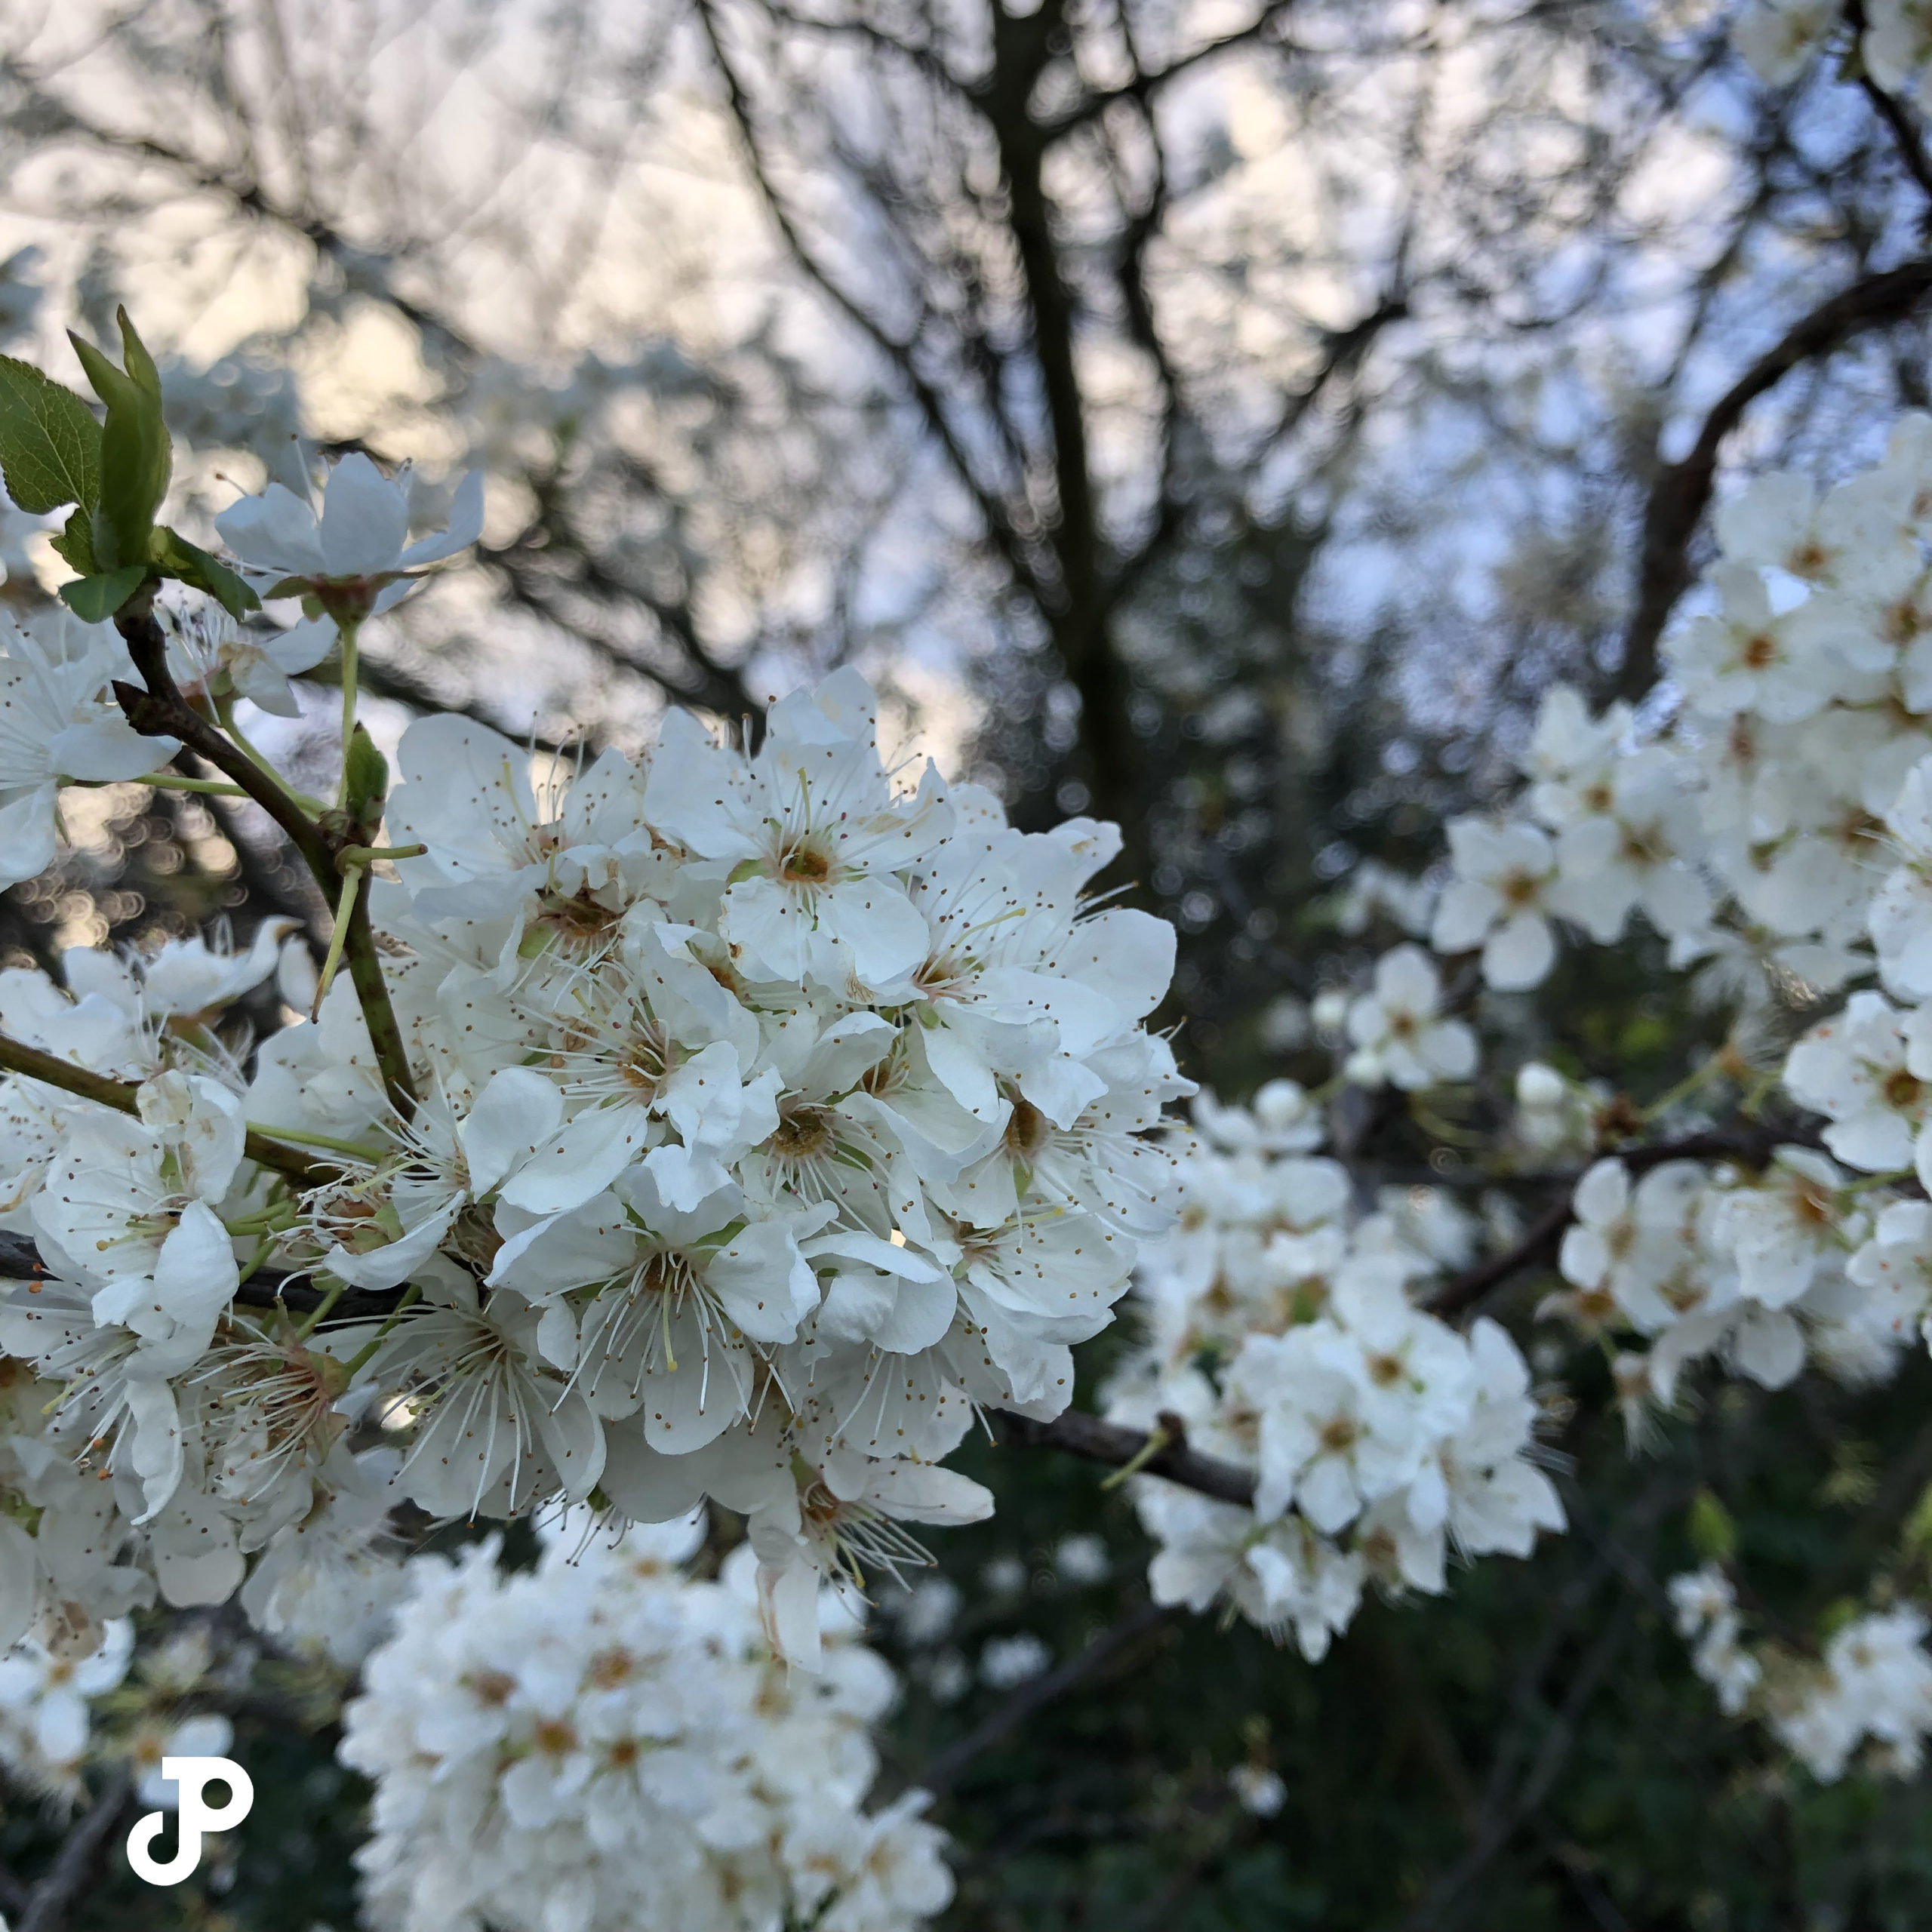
<point x="932" y="408"/>
<point x="77" y="1864"/>
<point x="1751" y="1148"/>
<point x="16" y="1056"/>
<point x="1095" y="1440"/>
<point x="1142" y="86"/>
<point x="1681" y="491"/>
<point x="267" y="1288"/>
<point x="944" y="1771"/>
<point x="1903" y="129"/>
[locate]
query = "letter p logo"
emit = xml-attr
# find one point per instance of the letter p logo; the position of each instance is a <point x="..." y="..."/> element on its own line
<point x="194" y="1776"/>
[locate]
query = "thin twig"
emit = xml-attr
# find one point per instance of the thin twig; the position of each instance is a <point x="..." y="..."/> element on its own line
<point x="1749" y="1147"/>
<point x="944" y="1771"/>
<point x="161" y="710"/>
<point x="1905" y="132"/>
<point x="77" y="1864"/>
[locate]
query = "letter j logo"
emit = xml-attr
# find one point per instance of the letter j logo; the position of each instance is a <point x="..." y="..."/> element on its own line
<point x="194" y="1776"/>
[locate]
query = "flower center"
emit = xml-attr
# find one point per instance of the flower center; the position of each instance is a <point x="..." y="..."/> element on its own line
<point x="491" y="1686"/>
<point x="1027" y="1131"/>
<point x="1812" y="1205"/>
<point x="804" y="865"/>
<point x="802" y="1132"/>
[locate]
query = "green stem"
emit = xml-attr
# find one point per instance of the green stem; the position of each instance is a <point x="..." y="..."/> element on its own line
<point x="161" y="711"/>
<point x="300" y="1137"/>
<point x="262" y="1253"/>
<point x="224" y="710"/>
<point x="270" y="1221"/>
<point x="347" y="628"/>
<point x="360" y="1358"/>
<point x="1158" y="1439"/>
<point x="363" y="855"/>
<point x="330" y="1296"/>
<point x="170" y="781"/>
<point x="1684" y="1088"/>
<point x="345" y="906"/>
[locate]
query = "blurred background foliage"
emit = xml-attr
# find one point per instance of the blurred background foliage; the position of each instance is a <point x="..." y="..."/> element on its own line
<point x="1224" y="417"/>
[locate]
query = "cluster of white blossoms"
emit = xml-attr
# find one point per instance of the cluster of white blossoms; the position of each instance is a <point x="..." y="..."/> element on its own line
<point x="1770" y="821"/>
<point x="770" y="1117"/>
<point x="605" y="1742"/>
<point x="64" y="1707"/>
<point x="46" y="1722"/>
<point x="1765" y="1272"/>
<point x="1287" y="1332"/>
<point x="1779" y="39"/>
<point x="1776" y="832"/>
<point x="1869" y="1696"/>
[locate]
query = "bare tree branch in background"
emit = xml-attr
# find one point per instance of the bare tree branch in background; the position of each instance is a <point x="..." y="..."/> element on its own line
<point x="1682" y="490"/>
<point x="77" y="1866"/>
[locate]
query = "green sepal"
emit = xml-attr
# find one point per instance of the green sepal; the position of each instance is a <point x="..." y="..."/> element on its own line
<point x="137" y="457"/>
<point x="76" y="543"/>
<point x="365" y="779"/>
<point x="189" y="563"/>
<point x="50" y="443"/>
<point x="1917" y="1534"/>
<point x="97" y="598"/>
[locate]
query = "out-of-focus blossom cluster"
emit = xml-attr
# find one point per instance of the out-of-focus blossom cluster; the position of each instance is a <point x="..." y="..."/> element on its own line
<point x="1779" y="39"/>
<point x="64" y="1706"/>
<point x="1869" y="1697"/>
<point x="607" y="1743"/>
<point x="1288" y="1332"/>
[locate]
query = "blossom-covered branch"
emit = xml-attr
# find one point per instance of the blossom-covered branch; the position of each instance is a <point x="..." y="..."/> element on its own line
<point x="1682" y="490"/>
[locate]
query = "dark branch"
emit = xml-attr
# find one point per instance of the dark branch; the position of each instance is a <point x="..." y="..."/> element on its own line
<point x="999" y="524"/>
<point x="944" y="1771"/>
<point x="1143" y="86"/>
<point x="1076" y="1434"/>
<point x="1903" y="129"/>
<point x="77" y="1865"/>
<point x="265" y="1288"/>
<point x="1750" y="1147"/>
<point x="1682" y="490"/>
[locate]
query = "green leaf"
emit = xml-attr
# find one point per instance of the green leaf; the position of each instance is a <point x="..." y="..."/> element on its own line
<point x="50" y="443"/>
<point x="192" y="565"/>
<point x="97" y="598"/>
<point x="1713" y="1534"/>
<point x="76" y="543"/>
<point x="135" y="456"/>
